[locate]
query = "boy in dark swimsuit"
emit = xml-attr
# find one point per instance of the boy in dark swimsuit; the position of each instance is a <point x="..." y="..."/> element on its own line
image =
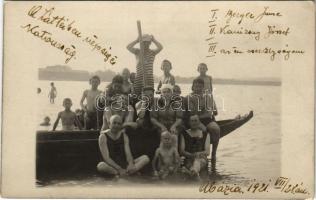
<point x="116" y="153"/>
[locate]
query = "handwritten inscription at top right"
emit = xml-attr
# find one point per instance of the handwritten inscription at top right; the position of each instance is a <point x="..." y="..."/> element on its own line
<point x="245" y="26"/>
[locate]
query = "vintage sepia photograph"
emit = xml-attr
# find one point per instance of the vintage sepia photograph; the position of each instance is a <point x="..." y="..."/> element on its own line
<point x="161" y="94"/>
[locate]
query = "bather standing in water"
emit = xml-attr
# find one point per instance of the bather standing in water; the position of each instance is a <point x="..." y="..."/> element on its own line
<point x="148" y="59"/>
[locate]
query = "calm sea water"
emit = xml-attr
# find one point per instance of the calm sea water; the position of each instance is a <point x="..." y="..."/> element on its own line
<point x="252" y="151"/>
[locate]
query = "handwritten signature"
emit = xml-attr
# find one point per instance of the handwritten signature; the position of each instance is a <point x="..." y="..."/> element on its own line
<point x="281" y="184"/>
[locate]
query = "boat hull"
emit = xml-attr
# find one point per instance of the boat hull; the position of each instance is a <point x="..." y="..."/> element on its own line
<point x="70" y="151"/>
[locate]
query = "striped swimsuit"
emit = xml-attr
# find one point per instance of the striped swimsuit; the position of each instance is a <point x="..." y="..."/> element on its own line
<point x="149" y="57"/>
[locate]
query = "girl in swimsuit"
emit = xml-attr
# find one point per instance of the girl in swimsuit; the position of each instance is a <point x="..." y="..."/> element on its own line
<point x="195" y="147"/>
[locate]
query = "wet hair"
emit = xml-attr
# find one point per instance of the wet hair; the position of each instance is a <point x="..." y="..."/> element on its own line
<point x="52" y="83"/>
<point x="66" y="99"/>
<point x="166" y="61"/>
<point x="200" y="65"/>
<point x="117" y="79"/>
<point x="95" y="77"/>
<point x="197" y="81"/>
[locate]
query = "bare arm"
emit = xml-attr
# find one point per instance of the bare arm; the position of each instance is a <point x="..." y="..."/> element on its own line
<point x="182" y="149"/>
<point x="207" y="145"/>
<point x="127" y="148"/>
<point x="78" y="123"/>
<point x="131" y="47"/>
<point x="159" y="46"/>
<point x="105" y="152"/>
<point x="176" y="157"/>
<point x="159" y="85"/>
<point x="84" y="95"/>
<point x="172" y="80"/>
<point x="155" y="160"/>
<point x="57" y="121"/>
<point x="158" y="124"/>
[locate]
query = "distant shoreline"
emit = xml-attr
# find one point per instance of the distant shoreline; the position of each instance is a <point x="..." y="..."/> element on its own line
<point x="65" y="73"/>
<point x="215" y="81"/>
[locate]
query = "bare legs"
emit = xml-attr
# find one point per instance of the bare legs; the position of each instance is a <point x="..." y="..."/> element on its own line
<point x="139" y="162"/>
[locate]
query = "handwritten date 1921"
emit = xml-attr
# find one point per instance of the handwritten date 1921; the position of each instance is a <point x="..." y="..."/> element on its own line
<point x="258" y="187"/>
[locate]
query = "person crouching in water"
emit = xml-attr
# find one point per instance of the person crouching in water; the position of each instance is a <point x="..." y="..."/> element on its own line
<point x="200" y="103"/>
<point x="116" y="153"/>
<point x="68" y="117"/>
<point x="167" y="157"/>
<point x="93" y="117"/>
<point x="195" y="147"/>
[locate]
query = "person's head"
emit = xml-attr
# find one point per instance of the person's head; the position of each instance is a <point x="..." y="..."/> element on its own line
<point x="176" y="90"/>
<point x="146" y="40"/>
<point x="52" y="83"/>
<point x="126" y="74"/>
<point x="95" y="81"/>
<point x="115" y="123"/>
<point x="202" y="68"/>
<point x="132" y="77"/>
<point x="148" y="92"/>
<point x="166" y="139"/>
<point x="117" y="83"/>
<point x="198" y="86"/>
<point x="46" y="120"/>
<point x="67" y="103"/>
<point x="194" y="121"/>
<point x="166" y="66"/>
<point x="166" y="91"/>
<point x="39" y="90"/>
<point x="120" y="102"/>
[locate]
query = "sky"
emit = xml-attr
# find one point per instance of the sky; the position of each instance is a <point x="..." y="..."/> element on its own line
<point x="181" y="27"/>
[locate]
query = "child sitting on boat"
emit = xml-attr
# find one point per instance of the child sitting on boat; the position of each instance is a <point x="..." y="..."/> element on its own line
<point x="68" y="117"/>
<point x="167" y="77"/>
<point x="127" y="86"/>
<point x="93" y="117"/>
<point x="166" y="160"/>
<point x="208" y="83"/>
<point x="116" y="153"/>
<point x="195" y="147"/>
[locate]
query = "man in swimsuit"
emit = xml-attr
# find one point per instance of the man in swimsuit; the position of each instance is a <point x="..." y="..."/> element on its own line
<point x="144" y="74"/>
<point x="116" y="153"/>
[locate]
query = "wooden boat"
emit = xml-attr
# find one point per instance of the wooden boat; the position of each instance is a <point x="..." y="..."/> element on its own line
<point x="70" y="151"/>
